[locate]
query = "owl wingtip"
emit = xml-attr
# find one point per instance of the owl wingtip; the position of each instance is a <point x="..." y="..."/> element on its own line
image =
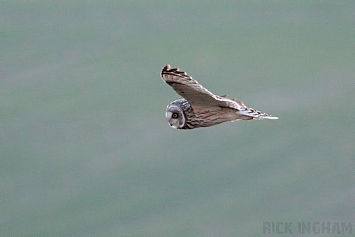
<point x="167" y="67"/>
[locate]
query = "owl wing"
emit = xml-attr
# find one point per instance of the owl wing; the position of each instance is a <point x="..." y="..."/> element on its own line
<point x="198" y="96"/>
<point x="193" y="91"/>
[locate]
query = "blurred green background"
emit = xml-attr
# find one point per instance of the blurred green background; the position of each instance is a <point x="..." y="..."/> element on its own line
<point x="85" y="147"/>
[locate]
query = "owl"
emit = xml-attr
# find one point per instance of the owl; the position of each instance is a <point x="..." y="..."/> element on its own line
<point x="200" y="107"/>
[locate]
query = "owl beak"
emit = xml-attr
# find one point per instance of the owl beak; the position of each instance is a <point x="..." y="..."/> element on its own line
<point x="173" y="125"/>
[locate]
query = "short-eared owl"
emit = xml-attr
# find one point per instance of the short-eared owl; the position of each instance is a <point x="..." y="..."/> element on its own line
<point x="201" y="108"/>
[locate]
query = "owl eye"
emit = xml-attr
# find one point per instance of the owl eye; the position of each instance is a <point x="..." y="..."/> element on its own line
<point x="174" y="115"/>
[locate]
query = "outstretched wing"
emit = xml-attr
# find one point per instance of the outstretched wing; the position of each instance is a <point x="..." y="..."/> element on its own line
<point x="191" y="90"/>
<point x="198" y="96"/>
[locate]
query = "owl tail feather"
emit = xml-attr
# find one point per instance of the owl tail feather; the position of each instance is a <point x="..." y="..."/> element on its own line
<point x="255" y="114"/>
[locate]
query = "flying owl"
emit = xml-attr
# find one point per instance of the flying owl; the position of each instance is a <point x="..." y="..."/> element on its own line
<point x="201" y="108"/>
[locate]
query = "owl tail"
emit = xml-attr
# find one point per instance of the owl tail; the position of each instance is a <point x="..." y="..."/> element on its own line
<point x="250" y="113"/>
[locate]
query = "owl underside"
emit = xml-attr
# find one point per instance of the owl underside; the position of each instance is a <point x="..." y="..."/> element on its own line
<point x="206" y="117"/>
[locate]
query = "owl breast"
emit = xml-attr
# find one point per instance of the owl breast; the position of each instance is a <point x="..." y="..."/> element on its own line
<point x="206" y="117"/>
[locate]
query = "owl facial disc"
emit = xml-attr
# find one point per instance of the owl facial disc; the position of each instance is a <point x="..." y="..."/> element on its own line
<point x="175" y="116"/>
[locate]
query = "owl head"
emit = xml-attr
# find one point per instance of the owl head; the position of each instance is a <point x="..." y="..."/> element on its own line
<point x="175" y="113"/>
<point x="175" y="116"/>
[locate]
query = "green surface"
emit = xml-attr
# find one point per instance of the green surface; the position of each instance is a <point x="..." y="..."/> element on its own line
<point x="85" y="147"/>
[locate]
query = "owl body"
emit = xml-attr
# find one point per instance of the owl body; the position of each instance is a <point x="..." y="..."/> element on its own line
<point x="201" y="108"/>
<point x="189" y="118"/>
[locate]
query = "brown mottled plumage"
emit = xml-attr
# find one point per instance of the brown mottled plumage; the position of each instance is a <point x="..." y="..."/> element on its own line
<point x="201" y="108"/>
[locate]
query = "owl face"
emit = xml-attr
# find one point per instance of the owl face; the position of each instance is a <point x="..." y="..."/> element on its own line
<point x="175" y="116"/>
